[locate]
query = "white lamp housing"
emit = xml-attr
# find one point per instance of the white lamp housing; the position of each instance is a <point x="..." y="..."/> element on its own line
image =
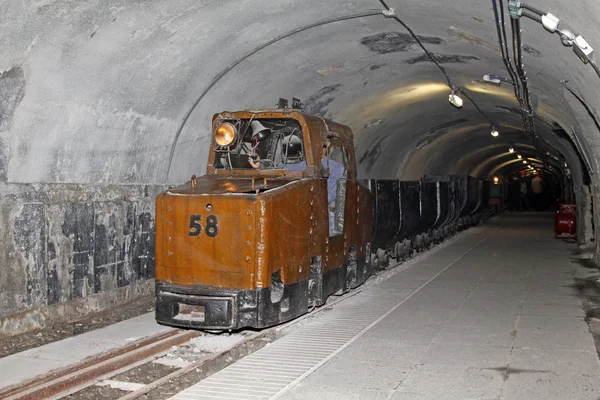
<point x="455" y="100"/>
<point x="550" y="22"/>
<point x="583" y="49"/>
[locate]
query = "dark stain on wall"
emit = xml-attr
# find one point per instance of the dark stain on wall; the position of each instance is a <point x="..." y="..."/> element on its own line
<point x="443" y="59"/>
<point x="29" y="233"/>
<point x="12" y="90"/>
<point x="370" y="156"/>
<point x="3" y="161"/>
<point x="392" y="42"/>
<point x="438" y="131"/>
<point x="143" y="247"/>
<point x="531" y="50"/>
<point x="79" y="225"/>
<point x="107" y="251"/>
<point x="61" y="245"/>
<point x="317" y="103"/>
<point x="514" y="110"/>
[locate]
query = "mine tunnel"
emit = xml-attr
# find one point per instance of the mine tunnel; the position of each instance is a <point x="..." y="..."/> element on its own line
<point x="106" y="105"/>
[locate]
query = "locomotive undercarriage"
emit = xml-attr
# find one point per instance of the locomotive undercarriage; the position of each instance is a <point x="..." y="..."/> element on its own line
<point x="209" y="308"/>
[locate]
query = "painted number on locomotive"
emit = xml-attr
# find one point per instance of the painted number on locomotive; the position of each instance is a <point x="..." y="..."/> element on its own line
<point x="211" y="228"/>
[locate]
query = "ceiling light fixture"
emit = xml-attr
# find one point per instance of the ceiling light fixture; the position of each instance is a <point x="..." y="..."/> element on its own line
<point x="455" y="99"/>
<point x="511" y="150"/>
<point x="519" y="156"/>
<point x="524" y="162"/>
<point x="494" y="132"/>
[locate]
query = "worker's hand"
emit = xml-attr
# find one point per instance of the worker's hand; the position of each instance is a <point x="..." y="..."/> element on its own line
<point x="254" y="162"/>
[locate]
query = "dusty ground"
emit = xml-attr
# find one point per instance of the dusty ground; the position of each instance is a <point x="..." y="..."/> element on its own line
<point x="16" y="344"/>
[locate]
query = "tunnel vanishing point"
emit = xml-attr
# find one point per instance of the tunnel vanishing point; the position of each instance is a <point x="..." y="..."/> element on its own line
<point x="105" y="104"/>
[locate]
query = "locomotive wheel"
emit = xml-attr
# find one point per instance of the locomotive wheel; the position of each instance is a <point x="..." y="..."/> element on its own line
<point x="428" y="241"/>
<point x="393" y="253"/>
<point x="419" y="242"/>
<point x="374" y="262"/>
<point x="408" y="245"/>
<point x="400" y="251"/>
<point x="384" y="259"/>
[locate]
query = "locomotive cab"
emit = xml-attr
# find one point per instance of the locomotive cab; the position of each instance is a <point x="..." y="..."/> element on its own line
<point x="277" y="224"/>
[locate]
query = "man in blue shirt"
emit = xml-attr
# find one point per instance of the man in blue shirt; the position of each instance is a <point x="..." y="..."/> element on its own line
<point x="336" y="171"/>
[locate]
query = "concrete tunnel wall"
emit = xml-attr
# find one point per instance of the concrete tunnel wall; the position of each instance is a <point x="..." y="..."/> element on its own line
<point x="92" y="94"/>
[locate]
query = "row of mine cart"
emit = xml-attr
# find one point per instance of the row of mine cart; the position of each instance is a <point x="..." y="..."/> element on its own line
<point x="410" y="216"/>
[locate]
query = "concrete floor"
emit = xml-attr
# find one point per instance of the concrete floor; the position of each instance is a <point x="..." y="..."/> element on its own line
<point x="493" y="315"/>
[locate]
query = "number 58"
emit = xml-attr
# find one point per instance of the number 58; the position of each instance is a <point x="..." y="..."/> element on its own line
<point x="211" y="229"/>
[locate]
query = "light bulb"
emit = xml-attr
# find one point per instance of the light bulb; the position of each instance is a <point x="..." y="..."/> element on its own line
<point x="518" y="155"/>
<point x="524" y="162"/>
<point x="511" y="150"/>
<point x="494" y="132"/>
<point x="455" y="100"/>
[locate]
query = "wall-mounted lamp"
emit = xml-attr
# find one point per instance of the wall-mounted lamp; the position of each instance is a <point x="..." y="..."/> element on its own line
<point x="455" y="99"/>
<point x="511" y="150"/>
<point x="524" y="162"/>
<point x="496" y="180"/>
<point x="519" y="156"/>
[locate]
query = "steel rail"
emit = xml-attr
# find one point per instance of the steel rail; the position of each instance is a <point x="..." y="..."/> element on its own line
<point x="88" y="371"/>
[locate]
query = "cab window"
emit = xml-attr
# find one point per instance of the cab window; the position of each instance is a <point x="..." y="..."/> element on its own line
<point x="261" y="144"/>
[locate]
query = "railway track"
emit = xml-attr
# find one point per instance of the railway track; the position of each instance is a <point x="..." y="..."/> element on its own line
<point x="61" y="382"/>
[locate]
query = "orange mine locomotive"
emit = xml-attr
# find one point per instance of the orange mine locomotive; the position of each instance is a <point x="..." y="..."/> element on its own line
<point x="278" y="223"/>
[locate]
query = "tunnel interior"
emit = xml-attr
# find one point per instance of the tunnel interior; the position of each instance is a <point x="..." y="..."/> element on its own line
<point x="104" y="104"/>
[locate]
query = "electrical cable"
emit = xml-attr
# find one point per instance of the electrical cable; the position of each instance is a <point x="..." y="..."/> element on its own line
<point x="477" y="107"/>
<point x="416" y="38"/>
<point x="435" y="61"/>
<point x="517" y="87"/>
<point x="593" y="64"/>
<point x="532" y="9"/>
<point x="504" y="50"/>
<point x="518" y="56"/>
<point x="536" y="18"/>
<point x="224" y="72"/>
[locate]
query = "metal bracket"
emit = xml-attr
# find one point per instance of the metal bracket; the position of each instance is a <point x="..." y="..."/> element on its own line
<point x="515" y="8"/>
<point x="297" y="104"/>
<point x="390" y="13"/>
<point x="282" y="103"/>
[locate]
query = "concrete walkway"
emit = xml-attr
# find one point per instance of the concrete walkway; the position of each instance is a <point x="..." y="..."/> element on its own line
<point x="493" y="315"/>
<point x="41" y="360"/>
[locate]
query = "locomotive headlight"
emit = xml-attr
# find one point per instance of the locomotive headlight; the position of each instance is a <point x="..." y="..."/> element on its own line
<point x="225" y="134"/>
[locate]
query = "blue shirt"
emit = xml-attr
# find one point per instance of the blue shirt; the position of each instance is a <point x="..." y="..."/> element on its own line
<point x="336" y="171"/>
<point x="301" y="166"/>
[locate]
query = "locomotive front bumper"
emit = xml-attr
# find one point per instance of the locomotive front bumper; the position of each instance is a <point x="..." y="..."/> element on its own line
<point x="206" y="308"/>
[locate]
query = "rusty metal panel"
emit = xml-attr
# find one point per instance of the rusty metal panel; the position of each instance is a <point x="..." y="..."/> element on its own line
<point x="206" y="239"/>
<point x="285" y="232"/>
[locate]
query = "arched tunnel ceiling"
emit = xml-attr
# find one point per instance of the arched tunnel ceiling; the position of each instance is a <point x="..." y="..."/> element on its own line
<point x="95" y="91"/>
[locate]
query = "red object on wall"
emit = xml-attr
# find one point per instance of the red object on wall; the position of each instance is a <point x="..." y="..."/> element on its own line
<point x="565" y="223"/>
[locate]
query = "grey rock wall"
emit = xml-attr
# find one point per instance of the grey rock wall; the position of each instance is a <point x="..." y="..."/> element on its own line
<point x="67" y="242"/>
